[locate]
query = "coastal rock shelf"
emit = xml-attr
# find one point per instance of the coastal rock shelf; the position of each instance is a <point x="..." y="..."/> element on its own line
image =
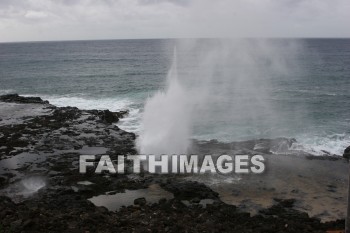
<point x="50" y="128"/>
<point x="41" y="188"/>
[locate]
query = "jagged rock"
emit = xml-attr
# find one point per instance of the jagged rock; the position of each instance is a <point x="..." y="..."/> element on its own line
<point x="3" y="181"/>
<point x="15" y="98"/>
<point x="108" y="116"/>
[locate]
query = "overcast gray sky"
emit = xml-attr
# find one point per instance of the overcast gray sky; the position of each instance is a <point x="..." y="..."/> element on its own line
<point x="28" y="20"/>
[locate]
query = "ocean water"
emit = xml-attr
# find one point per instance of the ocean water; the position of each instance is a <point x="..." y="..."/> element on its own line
<point x="291" y="88"/>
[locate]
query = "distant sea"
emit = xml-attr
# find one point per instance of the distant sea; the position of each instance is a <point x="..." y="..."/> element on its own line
<point x="313" y="98"/>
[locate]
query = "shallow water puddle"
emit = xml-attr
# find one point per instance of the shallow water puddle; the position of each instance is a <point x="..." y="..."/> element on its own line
<point x="114" y="202"/>
<point x="18" y="161"/>
<point x="85" y="182"/>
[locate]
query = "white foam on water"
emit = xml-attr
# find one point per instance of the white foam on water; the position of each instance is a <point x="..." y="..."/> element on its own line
<point x="332" y="144"/>
<point x="112" y="104"/>
<point x="130" y="123"/>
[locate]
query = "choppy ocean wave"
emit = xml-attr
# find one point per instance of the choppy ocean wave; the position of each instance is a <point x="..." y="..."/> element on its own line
<point x="113" y="104"/>
<point x="332" y="144"/>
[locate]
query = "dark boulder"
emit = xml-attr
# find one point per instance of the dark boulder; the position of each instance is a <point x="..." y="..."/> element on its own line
<point x="189" y="190"/>
<point x="140" y="201"/>
<point x="3" y="182"/>
<point x="347" y="153"/>
<point x="108" y="116"/>
<point x="15" y="98"/>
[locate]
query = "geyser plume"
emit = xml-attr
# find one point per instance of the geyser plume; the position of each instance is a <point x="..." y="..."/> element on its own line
<point x="225" y="88"/>
<point x="166" y="119"/>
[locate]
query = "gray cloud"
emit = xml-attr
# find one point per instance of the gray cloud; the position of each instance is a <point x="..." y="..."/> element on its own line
<point x="176" y="2"/>
<point x="23" y="20"/>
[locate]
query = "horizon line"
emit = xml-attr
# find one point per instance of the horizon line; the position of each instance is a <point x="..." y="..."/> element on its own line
<point x="174" y="38"/>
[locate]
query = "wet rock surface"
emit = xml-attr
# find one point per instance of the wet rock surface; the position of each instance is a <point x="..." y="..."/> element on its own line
<point x="65" y="128"/>
<point x="43" y="150"/>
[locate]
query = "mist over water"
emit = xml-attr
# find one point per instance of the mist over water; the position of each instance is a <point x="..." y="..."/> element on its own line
<point x="230" y="83"/>
<point x="236" y="82"/>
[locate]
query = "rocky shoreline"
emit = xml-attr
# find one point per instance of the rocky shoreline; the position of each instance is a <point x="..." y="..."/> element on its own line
<point x="42" y="190"/>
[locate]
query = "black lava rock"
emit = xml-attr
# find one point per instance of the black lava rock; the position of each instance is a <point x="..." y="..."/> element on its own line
<point x="15" y="98"/>
<point x="190" y="190"/>
<point x="108" y="116"/>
